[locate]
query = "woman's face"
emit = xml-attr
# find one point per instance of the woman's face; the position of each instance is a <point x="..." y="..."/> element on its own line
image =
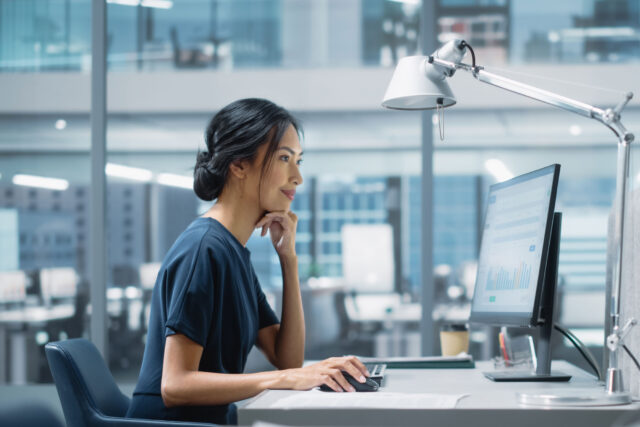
<point x="277" y="186"/>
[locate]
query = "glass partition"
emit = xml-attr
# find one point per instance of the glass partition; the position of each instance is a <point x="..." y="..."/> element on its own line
<point x="44" y="228"/>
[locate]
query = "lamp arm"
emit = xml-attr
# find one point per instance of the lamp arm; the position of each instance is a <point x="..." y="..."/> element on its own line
<point x="609" y="117"/>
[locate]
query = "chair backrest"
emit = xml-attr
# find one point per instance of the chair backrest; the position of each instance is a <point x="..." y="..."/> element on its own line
<point x="84" y="383"/>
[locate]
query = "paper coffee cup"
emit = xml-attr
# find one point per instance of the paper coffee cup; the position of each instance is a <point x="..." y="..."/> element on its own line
<point x="454" y="339"/>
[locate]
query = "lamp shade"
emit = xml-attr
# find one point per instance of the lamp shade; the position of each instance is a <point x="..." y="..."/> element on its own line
<point x="411" y="88"/>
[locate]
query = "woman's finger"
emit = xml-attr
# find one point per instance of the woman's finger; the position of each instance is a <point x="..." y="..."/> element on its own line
<point x="261" y="222"/>
<point x="359" y="365"/>
<point x="340" y="379"/>
<point x="331" y="383"/>
<point x="354" y="371"/>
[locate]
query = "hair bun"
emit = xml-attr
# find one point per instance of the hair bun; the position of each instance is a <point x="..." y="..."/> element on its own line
<point x="207" y="180"/>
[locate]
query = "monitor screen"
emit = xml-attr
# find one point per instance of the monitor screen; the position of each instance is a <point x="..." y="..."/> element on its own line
<point x="367" y="258"/>
<point x="513" y="253"/>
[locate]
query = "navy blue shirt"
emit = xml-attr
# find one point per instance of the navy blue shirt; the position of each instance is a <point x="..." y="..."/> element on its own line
<point x="207" y="290"/>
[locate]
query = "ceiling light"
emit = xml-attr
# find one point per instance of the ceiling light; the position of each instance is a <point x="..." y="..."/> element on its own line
<point x="41" y="182"/>
<point x="125" y="2"/>
<point x="575" y="130"/>
<point x="157" y="4"/>
<point x="127" y="172"/>
<point x="498" y="169"/>
<point x="174" y="180"/>
<point x="61" y="124"/>
<point x="411" y="2"/>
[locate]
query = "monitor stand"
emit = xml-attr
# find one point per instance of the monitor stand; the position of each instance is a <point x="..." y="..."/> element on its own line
<point x="543" y="368"/>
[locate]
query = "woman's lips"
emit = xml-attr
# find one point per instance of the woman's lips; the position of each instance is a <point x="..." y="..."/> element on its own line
<point x="289" y="193"/>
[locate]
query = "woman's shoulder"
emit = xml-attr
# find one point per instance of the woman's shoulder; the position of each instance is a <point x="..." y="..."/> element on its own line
<point x="204" y="233"/>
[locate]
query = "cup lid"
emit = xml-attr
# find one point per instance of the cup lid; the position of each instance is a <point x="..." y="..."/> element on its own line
<point x="454" y="327"/>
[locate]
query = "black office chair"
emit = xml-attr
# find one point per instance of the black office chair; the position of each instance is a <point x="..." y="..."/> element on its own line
<point x="88" y="393"/>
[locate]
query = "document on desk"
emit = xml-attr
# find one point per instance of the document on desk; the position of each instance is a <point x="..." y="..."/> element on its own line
<point x="383" y="400"/>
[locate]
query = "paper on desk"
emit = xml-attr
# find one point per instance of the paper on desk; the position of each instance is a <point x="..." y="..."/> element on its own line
<point x="321" y="399"/>
<point x="462" y="357"/>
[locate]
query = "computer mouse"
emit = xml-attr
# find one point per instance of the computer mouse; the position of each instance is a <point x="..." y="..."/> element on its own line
<point x="368" y="385"/>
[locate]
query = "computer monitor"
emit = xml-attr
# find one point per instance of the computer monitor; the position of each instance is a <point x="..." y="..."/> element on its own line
<point x="13" y="287"/>
<point x="517" y="267"/>
<point x="148" y="274"/>
<point x="367" y="258"/>
<point x="58" y="283"/>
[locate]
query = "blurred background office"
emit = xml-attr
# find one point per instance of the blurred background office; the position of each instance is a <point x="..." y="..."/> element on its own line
<point x="173" y="63"/>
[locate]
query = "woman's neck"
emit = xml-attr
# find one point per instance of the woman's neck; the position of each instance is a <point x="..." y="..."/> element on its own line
<point x="239" y="220"/>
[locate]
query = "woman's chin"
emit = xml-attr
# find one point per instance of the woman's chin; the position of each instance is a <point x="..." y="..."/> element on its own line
<point x="277" y="207"/>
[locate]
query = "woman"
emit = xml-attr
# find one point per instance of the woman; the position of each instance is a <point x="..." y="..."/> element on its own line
<point x="208" y="309"/>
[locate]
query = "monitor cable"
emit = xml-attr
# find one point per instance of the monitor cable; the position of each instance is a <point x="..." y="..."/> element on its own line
<point x="584" y="351"/>
<point x="631" y="356"/>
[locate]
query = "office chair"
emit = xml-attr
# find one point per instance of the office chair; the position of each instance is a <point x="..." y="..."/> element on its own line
<point x="88" y="393"/>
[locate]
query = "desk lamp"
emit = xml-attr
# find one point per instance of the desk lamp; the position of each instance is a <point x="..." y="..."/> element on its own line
<point x="419" y="83"/>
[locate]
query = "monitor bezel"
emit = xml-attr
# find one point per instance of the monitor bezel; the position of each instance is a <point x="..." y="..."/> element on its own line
<point x="523" y="319"/>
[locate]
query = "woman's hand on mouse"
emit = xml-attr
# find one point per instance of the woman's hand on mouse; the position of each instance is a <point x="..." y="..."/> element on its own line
<point x="282" y="229"/>
<point x="326" y="372"/>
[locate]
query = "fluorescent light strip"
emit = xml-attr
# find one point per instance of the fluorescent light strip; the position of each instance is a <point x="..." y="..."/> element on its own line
<point x="411" y="2"/>
<point x="41" y="182"/>
<point x="498" y="169"/>
<point x="127" y="172"/>
<point x="157" y="4"/>
<point x="125" y="2"/>
<point x="174" y="180"/>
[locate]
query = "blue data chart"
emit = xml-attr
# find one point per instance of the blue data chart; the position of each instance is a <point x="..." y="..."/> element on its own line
<point x="499" y="278"/>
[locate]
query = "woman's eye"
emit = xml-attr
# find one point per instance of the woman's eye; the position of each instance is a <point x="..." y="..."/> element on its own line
<point x="299" y="162"/>
<point x="284" y="158"/>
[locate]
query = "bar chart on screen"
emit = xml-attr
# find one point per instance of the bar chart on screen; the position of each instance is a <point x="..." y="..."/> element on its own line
<point x="512" y="243"/>
<point x="502" y="278"/>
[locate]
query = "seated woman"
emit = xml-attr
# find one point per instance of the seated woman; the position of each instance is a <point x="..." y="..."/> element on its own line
<point x="207" y="308"/>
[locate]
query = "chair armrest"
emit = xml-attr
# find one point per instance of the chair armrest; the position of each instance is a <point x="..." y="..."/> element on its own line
<point x="140" y="422"/>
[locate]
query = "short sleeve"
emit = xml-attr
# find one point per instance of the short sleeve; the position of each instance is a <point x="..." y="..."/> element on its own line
<point x="266" y="316"/>
<point x="190" y="309"/>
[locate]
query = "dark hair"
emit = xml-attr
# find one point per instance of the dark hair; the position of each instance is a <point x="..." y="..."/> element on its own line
<point x="234" y="134"/>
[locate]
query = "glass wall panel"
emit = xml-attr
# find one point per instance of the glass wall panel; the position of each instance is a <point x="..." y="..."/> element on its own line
<point x="45" y="35"/>
<point x="53" y="35"/>
<point x="520" y="31"/>
<point x="44" y="229"/>
<point x="578" y="31"/>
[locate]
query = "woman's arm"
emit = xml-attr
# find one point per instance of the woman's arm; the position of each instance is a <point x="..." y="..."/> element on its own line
<point x="183" y="384"/>
<point x="283" y="345"/>
<point x="289" y="345"/>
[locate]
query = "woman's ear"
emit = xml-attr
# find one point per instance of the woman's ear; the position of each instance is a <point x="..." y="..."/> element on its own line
<point x="239" y="168"/>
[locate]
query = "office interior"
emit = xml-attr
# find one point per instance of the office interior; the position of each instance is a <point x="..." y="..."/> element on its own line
<point x="173" y="63"/>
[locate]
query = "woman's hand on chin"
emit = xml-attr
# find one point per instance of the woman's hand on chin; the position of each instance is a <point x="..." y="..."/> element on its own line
<point x="282" y="229"/>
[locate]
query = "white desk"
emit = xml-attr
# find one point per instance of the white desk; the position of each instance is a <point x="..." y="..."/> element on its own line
<point x="13" y="336"/>
<point x="367" y="308"/>
<point x="487" y="403"/>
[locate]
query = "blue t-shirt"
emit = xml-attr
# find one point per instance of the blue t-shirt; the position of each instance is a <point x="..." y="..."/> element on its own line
<point x="207" y="290"/>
